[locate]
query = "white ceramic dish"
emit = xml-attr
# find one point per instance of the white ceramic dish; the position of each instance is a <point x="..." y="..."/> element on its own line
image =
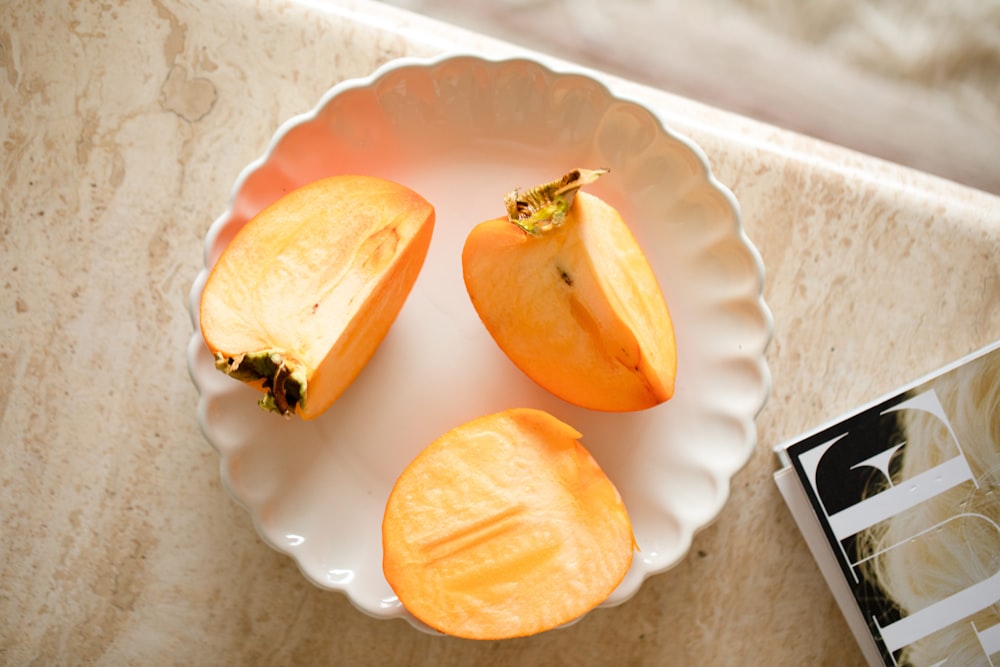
<point x="462" y="131"/>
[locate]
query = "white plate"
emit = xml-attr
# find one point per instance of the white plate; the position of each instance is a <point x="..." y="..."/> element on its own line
<point x="462" y="131"/>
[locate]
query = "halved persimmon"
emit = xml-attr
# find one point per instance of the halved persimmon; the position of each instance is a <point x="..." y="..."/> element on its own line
<point x="305" y="292"/>
<point x="504" y="527"/>
<point x="567" y="293"/>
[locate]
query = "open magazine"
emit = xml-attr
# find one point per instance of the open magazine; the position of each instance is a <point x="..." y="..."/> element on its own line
<point x="899" y="503"/>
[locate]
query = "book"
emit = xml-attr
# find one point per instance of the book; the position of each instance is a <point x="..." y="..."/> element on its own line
<point x="899" y="504"/>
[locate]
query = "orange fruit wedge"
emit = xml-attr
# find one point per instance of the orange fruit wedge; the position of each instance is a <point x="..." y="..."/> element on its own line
<point x="303" y="295"/>
<point x="567" y="293"/>
<point x="504" y="527"/>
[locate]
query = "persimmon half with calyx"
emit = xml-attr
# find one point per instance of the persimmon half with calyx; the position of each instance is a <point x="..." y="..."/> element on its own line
<point x="567" y="293"/>
<point x="505" y="527"/>
<point x="302" y="296"/>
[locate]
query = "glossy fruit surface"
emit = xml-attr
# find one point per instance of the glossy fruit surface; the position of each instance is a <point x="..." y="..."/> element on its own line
<point x="567" y="293"/>
<point x="503" y="527"/>
<point x="303" y="295"/>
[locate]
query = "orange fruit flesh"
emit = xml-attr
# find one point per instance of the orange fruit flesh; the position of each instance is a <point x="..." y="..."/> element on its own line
<point x="577" y="308"/>
<point x="505" y="527"/>
<point x="318" y="278"/>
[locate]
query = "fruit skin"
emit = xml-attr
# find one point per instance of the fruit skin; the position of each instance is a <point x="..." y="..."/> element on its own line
<point x="565" y="290"/>
<point x="303" y="295"/>
<point x="504" y="527"/>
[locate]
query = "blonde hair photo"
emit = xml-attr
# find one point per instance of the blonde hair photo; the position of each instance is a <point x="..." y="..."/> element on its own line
<point x="951" y="541"/>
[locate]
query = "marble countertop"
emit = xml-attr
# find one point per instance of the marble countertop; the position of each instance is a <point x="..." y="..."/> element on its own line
<point x="125" y="125"/>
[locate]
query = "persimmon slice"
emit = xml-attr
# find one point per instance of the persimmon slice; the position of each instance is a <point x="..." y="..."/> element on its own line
<point x="504" y="527"/>
<point x="303" y="295"/>
<point x="568" y="294"/>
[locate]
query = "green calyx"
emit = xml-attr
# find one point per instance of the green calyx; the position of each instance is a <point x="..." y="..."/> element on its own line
<point x="285" y="381"/>
<point x="545" y="206"/>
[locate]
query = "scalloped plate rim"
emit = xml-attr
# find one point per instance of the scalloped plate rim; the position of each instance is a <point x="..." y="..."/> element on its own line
<point x="555" y="68"/>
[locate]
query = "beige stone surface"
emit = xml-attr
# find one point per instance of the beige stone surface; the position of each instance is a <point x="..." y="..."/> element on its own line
<point x="124" y="126"/>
